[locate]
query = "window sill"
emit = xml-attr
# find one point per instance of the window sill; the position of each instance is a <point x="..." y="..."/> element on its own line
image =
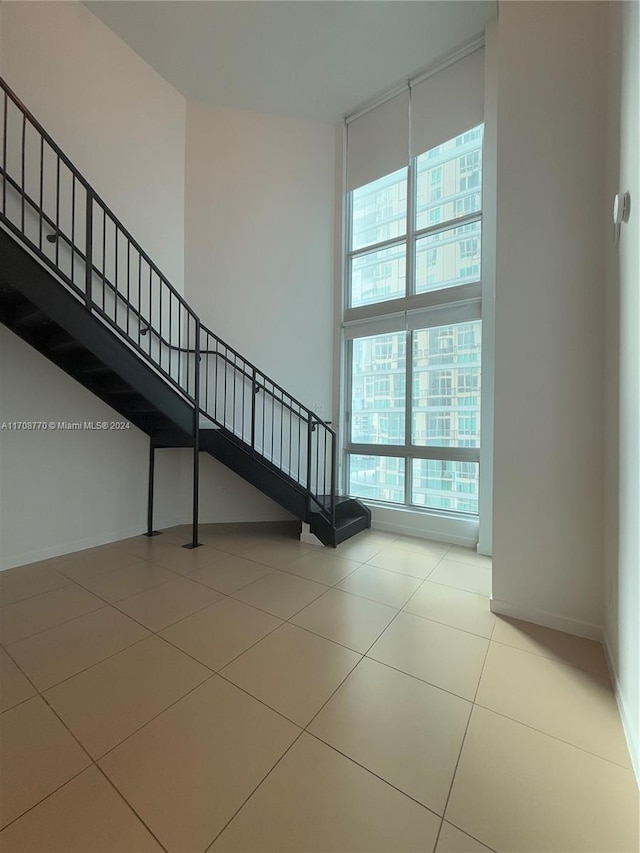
<point x="441" y="527"/>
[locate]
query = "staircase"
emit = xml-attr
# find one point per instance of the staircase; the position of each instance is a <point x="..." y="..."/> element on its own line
<point x="76" y="285"/>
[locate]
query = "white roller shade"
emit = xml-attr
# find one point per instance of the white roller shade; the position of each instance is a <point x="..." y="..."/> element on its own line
<point x="378" y="142"/>
<point x="447" y="103"/>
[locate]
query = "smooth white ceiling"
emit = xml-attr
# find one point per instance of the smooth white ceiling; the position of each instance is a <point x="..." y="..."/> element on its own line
<point x="311" y="59"/>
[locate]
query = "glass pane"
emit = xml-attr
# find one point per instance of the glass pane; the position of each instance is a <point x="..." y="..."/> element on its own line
<point x="446" y="385"/>
<point x="380" y="478"/>
<point x="378" y="276"/>
<point x="449" y="179"/>
<point x="445" y="485"/>
<point x="379" y="210"/>
<point x="448" y="258"/>
<point x="378" y="389"/>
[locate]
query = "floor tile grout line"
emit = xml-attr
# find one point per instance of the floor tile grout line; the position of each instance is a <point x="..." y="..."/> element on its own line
<point x="46" y="797"/>
<point x="446" y="625"/>
<point x="130" y="806"/>
<point x="466" y="729"/>
<point x="553" y="737"/>
<point x="261" y="782"/>
<point x="373" y="773"/>
<point x="4" y="643"/>
<point x="417" y="678"/>
<point x="148" y="722"/>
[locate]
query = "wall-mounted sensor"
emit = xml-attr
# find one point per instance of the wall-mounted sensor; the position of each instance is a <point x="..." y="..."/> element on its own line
<point x="621" y="211"/>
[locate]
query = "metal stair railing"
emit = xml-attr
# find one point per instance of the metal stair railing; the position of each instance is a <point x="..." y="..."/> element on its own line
<point x="49" y="206"/>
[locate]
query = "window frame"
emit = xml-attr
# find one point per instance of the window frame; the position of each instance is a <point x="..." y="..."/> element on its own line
<point x="414" y="311"/>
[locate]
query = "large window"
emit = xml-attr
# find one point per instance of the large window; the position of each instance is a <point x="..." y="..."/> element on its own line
<point x="413" y="330"/>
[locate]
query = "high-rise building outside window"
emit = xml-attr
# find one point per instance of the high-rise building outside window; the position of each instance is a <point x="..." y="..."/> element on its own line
<point x="413" y="330"/>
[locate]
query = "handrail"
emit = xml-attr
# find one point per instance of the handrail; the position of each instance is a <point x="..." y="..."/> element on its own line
<point x="317" y="476"/>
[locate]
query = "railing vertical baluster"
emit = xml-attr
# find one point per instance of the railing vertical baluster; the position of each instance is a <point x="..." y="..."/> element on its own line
<point x="73" y="225"/>
<point x="104" y="256"/>
<point x="254" y="393"/>
<point x="88" y="253"/>
<point x="235" y="375"/>
<point x="299" y="440"/>
<point x="5" y="111"/>
<point x="244" y="392"/>
<point x="196" y="437"/>
<point x="41" y="191"/>
<point x="22" y="175"/>
<point x="160" y="292"/>
<point x="115" y="277"/>
<point x="280" y="460"/>
<point x="139" y="304"/>
<point x="273" y="416"/>
<point x="334" y="465"/>
<point x="317" y="456"/>
<point x="150" y="308"/>
<point x="57" y="210"/>
<point x="128" y="283"/>
<point x="224" y="405"/>
<point x="215" y="384"/>
<point x="309" y="428"/>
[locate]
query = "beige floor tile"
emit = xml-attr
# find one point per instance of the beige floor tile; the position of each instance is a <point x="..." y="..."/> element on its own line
<point x="38" y="755"/>
<point x="403" y="730"/>
<point x="292" y="671"/>
<point x="557" y="699"/>
<point x="126" y="582"/>
<point x="221" y="632"/>
<point x="462" y="576"/>
<point x="373" y="534"/>
<point x="280" y="594"/>
<point x="323" y="566"/>
<point x="422" y="546"/>
<point x="443" y="656"/>
<point x="519" y="790"/>
<point x="316" y="800"/>
<point x="108" y="702"/>
<point x="347" y="619"/>
<point x="87" y="815"/>
<point x="380" y="585"/>
<point x="32" y="615"/>
<point x="185" y="560"/>
<point x="190" y="769"/>
<point x="95" y="561"/>
<point x="56" y="654"/>
<point x="163" y="605"/>
<point x="459" y="554"/>
<point x="453" y="840"/>
<point x="26" y="581"/>
<point x="565" y="648"/>
<point x="146" y="547"/>
<point x="360" y="549"/>
<point x="230" y="573"/>
<point x="455" y="607"/>
<point x="405" y="562"/>
<point x="14" y="687"/>
<point x="278" y="555"/>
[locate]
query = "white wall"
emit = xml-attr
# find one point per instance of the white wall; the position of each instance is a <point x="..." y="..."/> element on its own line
<point x="548" y="479"/>
<point x="622" y="377"/>
<point x="259" y="241"/>
<point x="124" y="127"/>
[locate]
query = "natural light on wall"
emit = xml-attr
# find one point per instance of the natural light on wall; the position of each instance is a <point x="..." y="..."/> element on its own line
<point x="411" y="322"/>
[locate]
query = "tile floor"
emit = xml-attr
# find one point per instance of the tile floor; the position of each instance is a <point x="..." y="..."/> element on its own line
<point x="259" y="694"/>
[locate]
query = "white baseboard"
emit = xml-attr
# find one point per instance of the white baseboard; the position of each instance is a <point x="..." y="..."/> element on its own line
<point x="441" y="528"/>
<point x="547" y="619"/>
<point x="629" y="726"/>
<point x="27" y="557"/>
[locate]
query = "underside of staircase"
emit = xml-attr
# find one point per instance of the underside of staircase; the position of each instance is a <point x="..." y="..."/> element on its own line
<point x="76" y="286"/>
